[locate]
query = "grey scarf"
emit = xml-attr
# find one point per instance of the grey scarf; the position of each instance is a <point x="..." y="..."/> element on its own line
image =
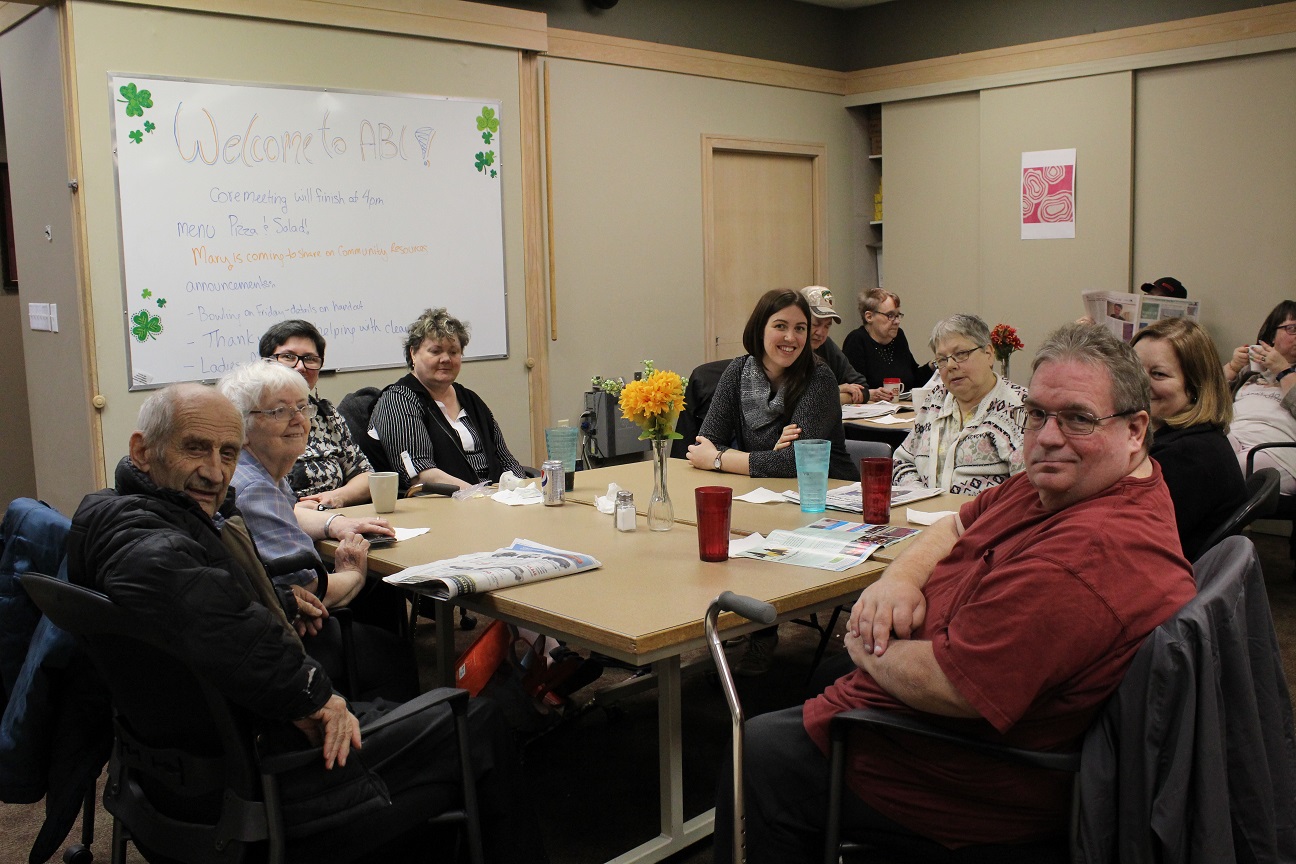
<point x="759" y="411"/>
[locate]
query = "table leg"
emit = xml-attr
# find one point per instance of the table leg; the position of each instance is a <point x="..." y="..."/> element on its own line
<point x="445" y="653"/>
<point x="676" y="833"/>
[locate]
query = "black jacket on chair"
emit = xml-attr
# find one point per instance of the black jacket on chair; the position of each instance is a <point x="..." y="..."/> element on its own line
<point x="1194" y="760"/>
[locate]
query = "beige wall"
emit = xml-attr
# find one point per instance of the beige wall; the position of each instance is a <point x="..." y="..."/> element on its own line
<point x="627" y="198"/>
<point x="953" y="179"/>
<point x="18" y="479"/>
<point x="126" y="39"/>
<point x="1183" y="171"/>
<point x="931" y="170"/>
<point x="31" y="76"/>
<point x="1035" y="285"/>
<point x="1215" y="187"/>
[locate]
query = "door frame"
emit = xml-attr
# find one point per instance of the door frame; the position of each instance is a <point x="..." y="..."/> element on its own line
<point x="711" y="144"/>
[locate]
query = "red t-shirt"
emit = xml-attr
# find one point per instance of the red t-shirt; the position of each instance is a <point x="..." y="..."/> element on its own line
<point x="1034" y="617"/>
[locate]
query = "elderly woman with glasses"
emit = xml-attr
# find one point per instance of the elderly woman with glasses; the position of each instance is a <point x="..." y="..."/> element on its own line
<point x="333" y="472"/>
<point x="276" y="410"/>
<point x="964" y="438"/>
<point x="878" y="349"/>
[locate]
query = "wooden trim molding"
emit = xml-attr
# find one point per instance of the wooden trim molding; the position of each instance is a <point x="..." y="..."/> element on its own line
<point x="711" y="144"/>
<point x="451" y="20"/>
<point x="615" y="51"/>
<point x="533" y="250"/>
<point x="1248" y="31"/>
<point x="13" y="13"/>
<point x="80" y="243"/>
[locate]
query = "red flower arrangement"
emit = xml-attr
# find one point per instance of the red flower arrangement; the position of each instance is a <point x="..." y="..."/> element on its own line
<point x="1005" y="341"/>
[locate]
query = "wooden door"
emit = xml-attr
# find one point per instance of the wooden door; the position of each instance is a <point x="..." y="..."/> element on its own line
<point x="763" y="205"/>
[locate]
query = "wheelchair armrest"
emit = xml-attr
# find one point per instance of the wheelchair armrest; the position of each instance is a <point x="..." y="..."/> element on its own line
<point x="1268" y="445"/>
<point x="877" y="718"/>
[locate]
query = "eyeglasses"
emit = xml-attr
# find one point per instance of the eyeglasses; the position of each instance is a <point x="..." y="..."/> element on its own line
<point x="959" y="357"/>
<point x="1289" y="329"/>
<point x="1069" y="421"/>
<point x="894" y="316"/>
<point x="288" y="358"/>
<point x="308" y="411"/>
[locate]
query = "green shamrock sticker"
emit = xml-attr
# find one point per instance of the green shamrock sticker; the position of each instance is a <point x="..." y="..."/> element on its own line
<point x="487" y="122"/>
<point x="486" y="137"/>
<point x="161" y="301"/>
<point x="136" y="136"/>
<point x="494" y="173"/>
<point x="149" y="126"/>
<point x="485" y="159"/>
<point x="147" y="325"/>
<point x="136" y="100"/>
<point x="146" y="293"/>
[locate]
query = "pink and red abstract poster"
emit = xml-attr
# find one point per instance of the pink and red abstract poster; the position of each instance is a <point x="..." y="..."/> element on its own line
<point x="1048" y="194"/>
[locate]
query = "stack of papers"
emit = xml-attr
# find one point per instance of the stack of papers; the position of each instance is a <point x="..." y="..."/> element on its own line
<point x="869" y="411"/>
<point x="829" y="544"/>
<point x="850" y="498"/>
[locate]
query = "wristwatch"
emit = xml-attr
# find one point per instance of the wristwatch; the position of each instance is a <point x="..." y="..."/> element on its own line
<point x="719" y="454"/>
<point x="1283" y="374"/>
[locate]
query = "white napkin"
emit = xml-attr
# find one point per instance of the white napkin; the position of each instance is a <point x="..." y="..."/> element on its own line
<point x="919" y="517"/>
<point x="407" y="533"/>
<point x="527" y="494"/>
<point x="761" y="495"/>
<point x="607" y="503"/>
<point x="741" y="544"/>
<point x="891" y="420"/>
<point x="509" y="481"/>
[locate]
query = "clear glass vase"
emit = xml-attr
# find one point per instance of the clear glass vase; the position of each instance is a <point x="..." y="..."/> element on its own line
<point x="661" y="513"/>
<point x="1003" y="367"/>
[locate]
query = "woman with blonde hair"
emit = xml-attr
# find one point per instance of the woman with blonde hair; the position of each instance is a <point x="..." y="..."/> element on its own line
<point x="1191" y="412"/>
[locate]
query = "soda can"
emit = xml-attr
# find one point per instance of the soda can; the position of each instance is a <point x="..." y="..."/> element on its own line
<point x="552" y="482"/>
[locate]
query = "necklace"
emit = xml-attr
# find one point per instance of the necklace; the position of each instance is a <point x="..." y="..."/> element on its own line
<point x="886" y="352"/>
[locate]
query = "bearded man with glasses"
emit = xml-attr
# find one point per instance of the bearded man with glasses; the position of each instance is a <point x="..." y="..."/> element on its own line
<point x="1012" y="620"/>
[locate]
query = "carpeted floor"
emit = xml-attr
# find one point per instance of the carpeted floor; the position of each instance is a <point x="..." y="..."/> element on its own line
<point x="595" y="775"/>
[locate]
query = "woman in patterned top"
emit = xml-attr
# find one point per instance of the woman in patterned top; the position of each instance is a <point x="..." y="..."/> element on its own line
<point x="333" y="471"/>
<point x="434" y="429"/>
<point x="964" y="439"/>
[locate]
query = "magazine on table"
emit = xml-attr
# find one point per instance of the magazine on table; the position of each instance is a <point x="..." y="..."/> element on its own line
<point x="851" y="499"/>
<point x="829" y="544"/>
<point x="521" y="562"/>
<point x="1125" y="314"/>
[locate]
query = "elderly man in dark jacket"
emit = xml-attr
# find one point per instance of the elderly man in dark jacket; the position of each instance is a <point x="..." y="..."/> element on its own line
<point x="168" y="544"/>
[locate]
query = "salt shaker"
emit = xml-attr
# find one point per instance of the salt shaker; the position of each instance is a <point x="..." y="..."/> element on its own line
<point x="625" y="510"/>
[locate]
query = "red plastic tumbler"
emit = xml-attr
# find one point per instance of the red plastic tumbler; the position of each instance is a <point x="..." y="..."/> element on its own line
<point x="714" y="505"/>
<point x="875" y="486"/>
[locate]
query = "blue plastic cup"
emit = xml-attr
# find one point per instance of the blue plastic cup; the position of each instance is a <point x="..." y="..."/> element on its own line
<point x="812" y="473"/>
<point x="561" y="443"/>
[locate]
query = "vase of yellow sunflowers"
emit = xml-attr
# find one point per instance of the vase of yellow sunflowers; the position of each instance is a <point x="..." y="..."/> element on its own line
<point x="653" y="403"/>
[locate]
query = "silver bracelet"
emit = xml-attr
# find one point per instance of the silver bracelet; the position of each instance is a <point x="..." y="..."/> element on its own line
<point x="328" y="523"/>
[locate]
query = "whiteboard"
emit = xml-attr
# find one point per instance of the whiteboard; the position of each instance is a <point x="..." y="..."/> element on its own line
<point x="242" y="205"/>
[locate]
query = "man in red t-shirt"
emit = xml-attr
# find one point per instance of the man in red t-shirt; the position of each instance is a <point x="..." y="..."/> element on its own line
<point x="1013" y="620"/>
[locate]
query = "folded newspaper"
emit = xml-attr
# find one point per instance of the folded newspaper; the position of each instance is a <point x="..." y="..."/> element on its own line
<point x="850" y="499"/>
<point x="523" y="561"/>
<point x="829" y="544"/>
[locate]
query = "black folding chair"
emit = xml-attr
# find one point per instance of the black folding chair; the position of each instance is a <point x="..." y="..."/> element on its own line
<point x="1261" y="501"/>
<point x="214" y="799"/>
